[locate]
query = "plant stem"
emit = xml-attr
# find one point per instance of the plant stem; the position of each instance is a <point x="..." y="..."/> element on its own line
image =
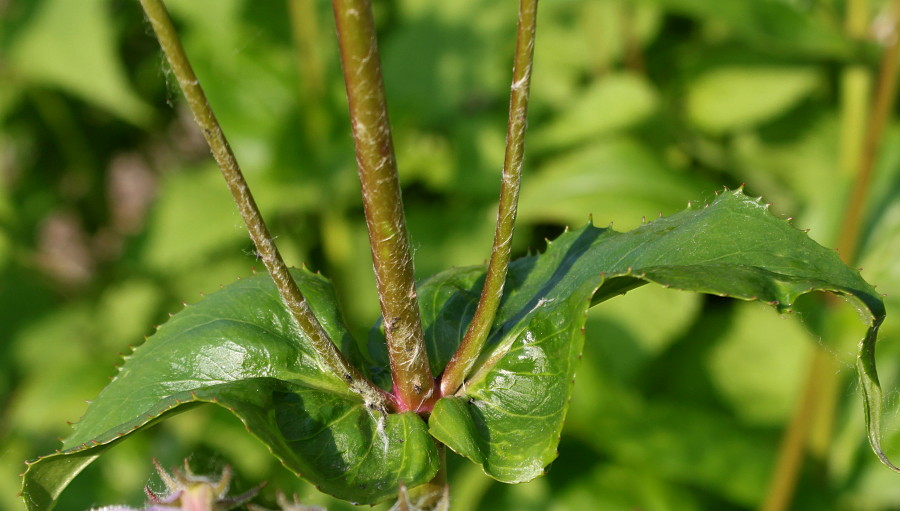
<point x="312" y="72"/>
<point x="477" y="332"/>
<point x="856" y="81"/>
<point x="883" y="105"/>
<point x="817" y="398"/>
<point x="631" y="44"/>
<point x="388" y="237"/>
<point x="783" y="480"/>
<point x="290" y="294"/>
<point x="305" y="31"/>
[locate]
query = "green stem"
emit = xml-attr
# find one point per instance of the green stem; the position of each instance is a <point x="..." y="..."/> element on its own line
<point x="631" y="43"/>
<point x="388" y="237"/>
<point x="476" y="334"/>
<point x="313" y="75"/>
<point x="259" y="233"/>
<point x="856" y="81"/>
<point x="305" y="31"/>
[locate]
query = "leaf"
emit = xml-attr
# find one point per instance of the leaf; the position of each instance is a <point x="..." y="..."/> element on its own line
<point x="735" y="97"/>
<point x="444" y="56"/>
<point x="239" y="348"/>
<point x="171" y="243"/>
<point x="613" y="103"/>
<point x="509" y="414"/>
<point x="71" y="45"/>
<point x="765" y="398"/>
<point x="768" y="24"/>
<point x="617" y="180"/>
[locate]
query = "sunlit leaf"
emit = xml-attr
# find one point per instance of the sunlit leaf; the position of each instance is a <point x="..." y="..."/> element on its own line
<point x="616" y="180"/>
<point x="732" y="98"/>
<point x="239" y="348"/>
<point x="509" y="414"/>
<point x="768" y="24"/>
<point x="612" y="103"/>
<point x="71" y="45"/>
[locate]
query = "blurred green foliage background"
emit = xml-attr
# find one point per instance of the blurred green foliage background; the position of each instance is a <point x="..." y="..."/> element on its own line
<point x="112" y="213"/>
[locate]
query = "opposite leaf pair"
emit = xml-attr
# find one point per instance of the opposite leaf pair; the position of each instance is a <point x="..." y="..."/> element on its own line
<point x="239" y="348"/>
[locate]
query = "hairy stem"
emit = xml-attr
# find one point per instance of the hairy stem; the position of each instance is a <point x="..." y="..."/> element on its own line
<point x="388" y="237"/>
<point x="477" y="332"/>
<point x="291" y="296"/>
<point x="820" y="387"/>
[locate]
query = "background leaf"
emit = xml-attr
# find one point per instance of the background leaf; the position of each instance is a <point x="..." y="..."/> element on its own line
<point x="71" y="46"/>
<point x="761" y="93"/>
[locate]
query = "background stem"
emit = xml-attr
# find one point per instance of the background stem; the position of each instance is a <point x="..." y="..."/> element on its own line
<point x="259" y="233"/>
<point x="388" y="237"/>
<point x="883" y="105"/>
<point x="477" y="332"/>
<point x="820" y="387"/>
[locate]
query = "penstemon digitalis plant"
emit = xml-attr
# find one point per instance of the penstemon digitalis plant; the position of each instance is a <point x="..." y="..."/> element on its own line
<point x="274" y="351"/>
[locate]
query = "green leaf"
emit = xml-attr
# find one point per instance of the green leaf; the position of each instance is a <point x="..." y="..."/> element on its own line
<point x="71" y="45"/>
<point x="765" y="398"/>
<point x="509" y="414"/>
<point x="768" y="24"/>
<point x="239" y="348"/>
<point x="617" y="180"/>
<point x="616" y="102"/>
<point x="736" y="97"/>
<point x="171" y="243"/>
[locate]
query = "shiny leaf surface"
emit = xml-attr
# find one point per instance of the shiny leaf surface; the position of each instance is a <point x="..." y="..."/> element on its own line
<point x="239" y="348"/>
<point x="509" y="414"/>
